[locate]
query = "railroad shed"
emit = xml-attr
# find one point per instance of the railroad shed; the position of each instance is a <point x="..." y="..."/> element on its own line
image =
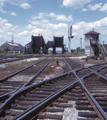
<point x="91" y="43"/>
<point x="12" y="47"/>
<point x="58" y="42"/>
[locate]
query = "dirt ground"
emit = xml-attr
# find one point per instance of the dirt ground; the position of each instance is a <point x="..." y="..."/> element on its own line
<point x="89" y="62"/>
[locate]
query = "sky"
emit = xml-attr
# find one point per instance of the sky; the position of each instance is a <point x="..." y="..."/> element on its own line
<point x="24" y="18"/>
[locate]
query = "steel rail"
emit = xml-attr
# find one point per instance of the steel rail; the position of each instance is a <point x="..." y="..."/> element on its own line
<point x="8" y="103"/>
<point x="38" y="108"/>
<point x="36" y="75"/>
<point x="98" y="74"/>
<point x="98" y="108"/>
<point x="97" y="64"/>
<point x="5" y="60"/>
<point x="99" y="69"/>
<point x="5" y="96"/>
<point x="11" y="75"/>
<point x="8" y="61"/>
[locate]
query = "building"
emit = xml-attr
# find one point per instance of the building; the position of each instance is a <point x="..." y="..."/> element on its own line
<point x="12" y="47"/>
<point x="36" y="45"/>
<point x="92" y="43"/>
<point x="58" y="42"/>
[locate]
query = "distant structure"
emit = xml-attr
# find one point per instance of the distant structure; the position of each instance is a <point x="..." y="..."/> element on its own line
<point x="12" y="47"/>
<point x="92" y="43"/>
<point x="58" y="42"/>
<point x="49" y="45"/>
<point x="38" y="44"/>
<point x="69" y="38"/>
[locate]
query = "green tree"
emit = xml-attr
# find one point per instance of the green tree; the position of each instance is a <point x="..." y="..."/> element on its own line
<point x="6" y="49"/>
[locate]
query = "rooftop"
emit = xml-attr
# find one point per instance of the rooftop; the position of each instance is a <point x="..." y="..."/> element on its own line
<point x="92" y="33"/>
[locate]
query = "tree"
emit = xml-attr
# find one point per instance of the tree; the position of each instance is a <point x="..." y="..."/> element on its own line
<point x="6" y="49"/>
<point x="78" y="49"/>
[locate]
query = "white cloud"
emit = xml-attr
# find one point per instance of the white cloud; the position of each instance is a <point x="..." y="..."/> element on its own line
<point x="104" y="8"/>
<point x="2" y="21"/>
<point x="42" y="25"/>
<point x="9" y="33"/>
<point x="41" y="16"/>
<point x="52" y="15"/>
<point x="95" y="7"/>
<point x="57" y="26"/>
<point x="82" y="27"/>
<point x="76" y="4"/>
<point x="84" y="9"/>
<point x="7" y="25"/>
<point x="15" y="2"/>
<point x="25" y="6"/>
<point x="2" y="11"/>
<point x="37" y="31"/>
<point x="12" y="13"/>
<point x="61" y="17"/>
<point x="6" y="30"/>
<point x="45" y="21"/>
<point x="31" y="27"/>
<point x="23" y="33"/>
<point x="64" y="18"/>
<point x="35" y="22"/>
<point x="1" y="7"/>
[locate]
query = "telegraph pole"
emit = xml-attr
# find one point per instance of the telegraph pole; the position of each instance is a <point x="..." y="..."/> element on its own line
<point x="81" y="42"/>
<point x="69" y="38"/>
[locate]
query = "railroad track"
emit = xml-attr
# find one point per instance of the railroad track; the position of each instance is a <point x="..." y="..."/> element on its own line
<point x="30" y="75"/>
<point x="82" y="89"/>
<point x="13" y="58"/>
<point x="15" y="81"/>
<point x="96" y="84"/>
<point x="29" y="97"/>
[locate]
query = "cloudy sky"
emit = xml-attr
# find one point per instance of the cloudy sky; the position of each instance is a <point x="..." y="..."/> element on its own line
<point x="23" y="18"/>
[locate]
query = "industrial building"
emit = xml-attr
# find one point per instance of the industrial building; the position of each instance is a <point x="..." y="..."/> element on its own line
<point x="38" y="45"/>
<point x="12" y="47"/>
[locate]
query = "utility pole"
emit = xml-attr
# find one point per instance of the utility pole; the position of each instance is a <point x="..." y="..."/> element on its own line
<point x="69" y="45"/>
<point x="69" y="38"/>
<point x="81" y="42"/>
<point x="12" y="39"/>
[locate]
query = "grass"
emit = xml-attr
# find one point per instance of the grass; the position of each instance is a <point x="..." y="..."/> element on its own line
<point x="14" y="67"/>
<point x="75" y="54"/>
<point x="79" y="54"/>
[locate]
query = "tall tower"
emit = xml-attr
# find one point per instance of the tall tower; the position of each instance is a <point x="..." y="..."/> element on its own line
<point x="91" y="43"/>
<point x="12" y="39"/>
<point x="69" y="38"/>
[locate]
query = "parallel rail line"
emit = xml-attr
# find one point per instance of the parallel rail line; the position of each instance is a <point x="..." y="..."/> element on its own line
<point x="8" y="86"/>
<point x="100" y="110"/>
<point x="87" y="86"/>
